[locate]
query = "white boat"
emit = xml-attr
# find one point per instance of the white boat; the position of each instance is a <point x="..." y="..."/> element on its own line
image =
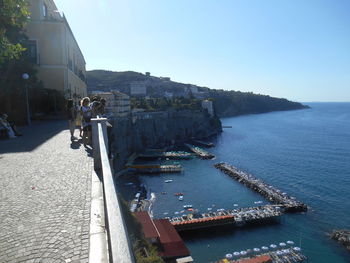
<point x="181" y="198"/>
<point x="187" y="206"/>
<point x="168" y="181"/>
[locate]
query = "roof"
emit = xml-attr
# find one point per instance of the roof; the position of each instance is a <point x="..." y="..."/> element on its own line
<point x="258" y="259"/>
<point x="173" y="245"/>
<point x="148" y="226"/>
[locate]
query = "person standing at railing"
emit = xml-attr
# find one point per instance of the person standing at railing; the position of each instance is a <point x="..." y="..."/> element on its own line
<point x="87" y="114"/>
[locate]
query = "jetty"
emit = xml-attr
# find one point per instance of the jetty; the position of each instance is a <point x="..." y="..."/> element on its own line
<point x="236" y="217"/>
<point x="289" y="203"/>
<point x="200" y="152"/>
<point x="156" y="168"/>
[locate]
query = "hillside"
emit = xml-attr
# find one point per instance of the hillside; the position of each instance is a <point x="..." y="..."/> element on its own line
<point x="226" y="103"/>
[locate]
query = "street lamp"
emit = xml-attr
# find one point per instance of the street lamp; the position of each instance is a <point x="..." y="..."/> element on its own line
<point x="25" y="76"/>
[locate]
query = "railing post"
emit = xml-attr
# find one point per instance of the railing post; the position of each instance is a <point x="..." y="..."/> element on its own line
<point x="95" y="140"/>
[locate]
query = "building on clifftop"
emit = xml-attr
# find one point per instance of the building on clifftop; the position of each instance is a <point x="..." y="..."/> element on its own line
<point x="55" y="51"/>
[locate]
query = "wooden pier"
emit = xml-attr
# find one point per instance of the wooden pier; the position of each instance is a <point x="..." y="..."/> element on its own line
<point x="200" y="152"/>
<point x="156" y="168"/>
<point x="237" y="217"/>
<point x="290" y="204"/>
<point x="174" y="155"/>
<point x="203" y="144"/>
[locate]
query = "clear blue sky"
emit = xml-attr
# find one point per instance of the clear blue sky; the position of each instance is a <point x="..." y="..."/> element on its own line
<point x="296" y="49"/>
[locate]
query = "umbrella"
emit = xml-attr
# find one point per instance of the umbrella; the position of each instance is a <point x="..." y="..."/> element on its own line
<point x="264" y="248"/>
<point x="286" y="251"/>
<point x="243" y="253"/>
<point x="282" y="244"/>
<point x="279" y="253"/>
<point x="228" y="256"/>
<point x="289" y="242"/>
<point x="236" y="254"/>
<point x="296" y="248"/>
<point x="273" y="246"/>
<point x="256" y="249"/>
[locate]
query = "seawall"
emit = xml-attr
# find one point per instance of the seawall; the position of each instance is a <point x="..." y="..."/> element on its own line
<point x="136" y="135"/>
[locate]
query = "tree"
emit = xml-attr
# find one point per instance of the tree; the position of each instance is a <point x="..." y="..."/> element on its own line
<point x="13" y="16"/>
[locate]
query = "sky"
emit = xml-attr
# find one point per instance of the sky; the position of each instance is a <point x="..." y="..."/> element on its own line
<point x="295" y="49"/>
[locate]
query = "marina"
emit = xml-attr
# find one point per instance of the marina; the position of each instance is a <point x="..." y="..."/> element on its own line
<point x="237" y="217"/>
<point x="200" y="152"/>
<point x="289" y="203"/>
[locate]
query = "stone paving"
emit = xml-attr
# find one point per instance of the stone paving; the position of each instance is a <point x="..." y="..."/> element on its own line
<point x="45" y="192"/>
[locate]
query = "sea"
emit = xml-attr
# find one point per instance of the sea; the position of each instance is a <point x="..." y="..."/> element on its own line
<point x="305" y="153"/>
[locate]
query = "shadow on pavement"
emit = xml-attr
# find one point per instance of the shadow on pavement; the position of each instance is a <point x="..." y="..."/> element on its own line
<point x="33" y="136"/>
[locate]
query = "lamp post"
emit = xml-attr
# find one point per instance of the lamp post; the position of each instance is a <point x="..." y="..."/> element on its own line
<point x="25" y="76"/>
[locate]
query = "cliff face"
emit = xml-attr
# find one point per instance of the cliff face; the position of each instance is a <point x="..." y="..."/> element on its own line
<point x="159" y="132"/>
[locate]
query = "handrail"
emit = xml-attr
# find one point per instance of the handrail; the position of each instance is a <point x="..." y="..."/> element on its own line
<point x="119" y="246"/>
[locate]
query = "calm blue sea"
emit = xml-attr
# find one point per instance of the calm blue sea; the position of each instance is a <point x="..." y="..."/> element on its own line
<point x="305" y="153"/>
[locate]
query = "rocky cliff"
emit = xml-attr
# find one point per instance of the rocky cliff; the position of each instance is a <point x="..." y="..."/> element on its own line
<point x="175" y="128"/>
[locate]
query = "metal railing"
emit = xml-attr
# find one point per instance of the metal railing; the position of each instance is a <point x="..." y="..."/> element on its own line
<point x="119" y="247"/>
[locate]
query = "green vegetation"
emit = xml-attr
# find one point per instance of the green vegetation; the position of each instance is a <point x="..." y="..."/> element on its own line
<point x="161" y="104"/>
<point x="13" y="16"/>
<point x="144" y="252"/>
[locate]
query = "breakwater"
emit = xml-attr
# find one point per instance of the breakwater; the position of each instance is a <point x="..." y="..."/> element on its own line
<point x="290" y="204"/>
<point x="238" y="217"/>
<point x="343" y="237"/>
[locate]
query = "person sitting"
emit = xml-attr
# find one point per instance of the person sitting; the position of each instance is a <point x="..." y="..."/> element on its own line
<point x="9" y="128"/>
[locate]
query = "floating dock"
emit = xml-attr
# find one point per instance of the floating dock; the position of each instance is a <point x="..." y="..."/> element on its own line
<point x="156" y="168"/>
<point x="282" y="253"/>
<point x="203" y="144"/>
<point x="237" y="217"/>
<point x="174" y="155"/>
<point x="200" y="152"/>
<point x="290" y="204"/>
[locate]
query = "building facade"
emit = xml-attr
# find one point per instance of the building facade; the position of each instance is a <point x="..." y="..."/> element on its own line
<point x="208" y="105"/>
<point x="117" y="104"/>
<point x="54" y="49"/>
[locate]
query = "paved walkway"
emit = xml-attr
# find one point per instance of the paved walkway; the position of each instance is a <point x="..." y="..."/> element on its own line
<point x="45" y="194"/>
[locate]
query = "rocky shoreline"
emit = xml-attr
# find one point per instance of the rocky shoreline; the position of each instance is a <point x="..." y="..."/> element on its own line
<point x="342" y="237"/>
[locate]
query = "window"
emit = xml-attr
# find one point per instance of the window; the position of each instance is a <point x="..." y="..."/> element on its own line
<point x="44" y="10"/>
<point x="32" y="51"/>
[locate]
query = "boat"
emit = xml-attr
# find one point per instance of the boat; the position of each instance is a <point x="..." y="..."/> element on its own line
<point x="181" y="197"/>
<point x="168" y="181"/>
<point x="187" y="206"/>
<point x="178" y="194"/>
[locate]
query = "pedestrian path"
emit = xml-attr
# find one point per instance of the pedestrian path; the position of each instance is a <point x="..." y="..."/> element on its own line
<point x="45" y="192"/>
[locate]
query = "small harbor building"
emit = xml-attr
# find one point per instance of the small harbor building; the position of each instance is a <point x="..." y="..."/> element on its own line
<point x="162" y="233"/>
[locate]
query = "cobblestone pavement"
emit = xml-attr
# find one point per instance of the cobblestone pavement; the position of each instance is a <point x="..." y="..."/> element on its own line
<point x="45" y="191"/>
